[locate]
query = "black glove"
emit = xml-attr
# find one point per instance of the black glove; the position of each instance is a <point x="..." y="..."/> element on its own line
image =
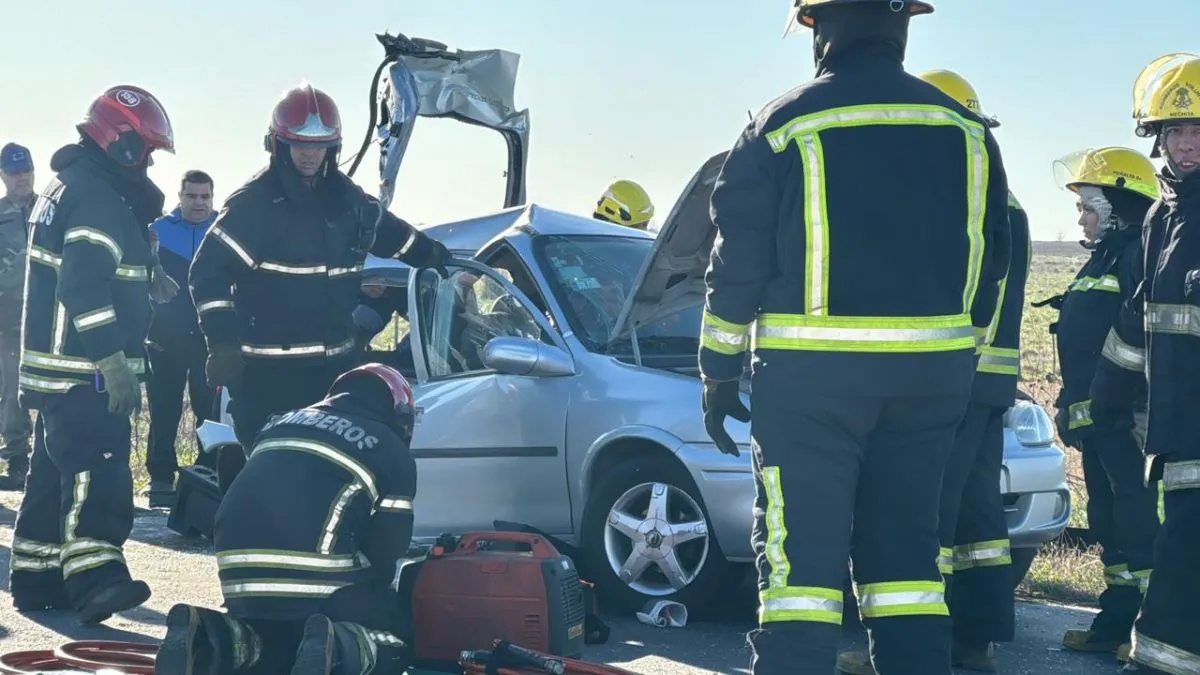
<point x="1055" y="302"/>
<point x="1070" y="437"/>
<point x="224" y="366"/>
<point x="721" y="400"/>
<point x="439" y="257"/>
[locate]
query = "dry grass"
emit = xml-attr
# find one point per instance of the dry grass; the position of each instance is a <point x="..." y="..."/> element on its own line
<point x="1059" y="573"/>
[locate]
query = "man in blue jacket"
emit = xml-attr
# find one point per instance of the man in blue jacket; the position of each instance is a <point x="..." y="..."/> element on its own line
<point x="176" y="346"/>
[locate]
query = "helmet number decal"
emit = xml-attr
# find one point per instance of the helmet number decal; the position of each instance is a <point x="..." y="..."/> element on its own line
<point x="128" y="98"/>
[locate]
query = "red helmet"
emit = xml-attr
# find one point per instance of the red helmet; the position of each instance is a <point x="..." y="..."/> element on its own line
<point x="306" y="115"/>
<point x="128" y="123"/>
<point x="397" y="384"/>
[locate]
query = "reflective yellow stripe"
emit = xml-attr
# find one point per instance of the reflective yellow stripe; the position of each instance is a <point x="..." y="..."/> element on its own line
<point x="123" y="273"/>
<point x="903" y="598"/>
<point x="280" y="588"/>
<point x="992" y="553"/>
<point x="91" y="235"/>
<point x="1121" y="354"/>
<point x="945" y="561"/>
<point x="1108" y="283"/>
<point x="1142" y="579"/>
<point x="801" y="603"/>
<point x="291" y="560"/>
<point x="805" y="131"/>
<point x="1079" y="415"/>
<point x="999" y="361"/>
<point x="71" y="364"/>
<point x="781" y="567"/>
<point x="1118" y="575"/>
<point x="300" y="350"/>
<point x="721" y="336"/>
<point x="1181" y="476"/>
<point x="1165" y="657"/>
<point x="864" y="333"/>
<point x="1173" y="319"/>
<point x="1162" y="504"/>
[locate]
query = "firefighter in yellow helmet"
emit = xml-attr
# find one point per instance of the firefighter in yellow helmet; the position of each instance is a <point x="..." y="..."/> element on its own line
<point x="1114" y="188"/>
<point x="864" y="353"/>
<point x="1157" y="336"/>
<point x="625" y="203"/>
<point x="976" y="557"/>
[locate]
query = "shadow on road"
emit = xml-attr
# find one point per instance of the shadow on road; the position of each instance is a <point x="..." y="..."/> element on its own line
<point x="65" y="624"/>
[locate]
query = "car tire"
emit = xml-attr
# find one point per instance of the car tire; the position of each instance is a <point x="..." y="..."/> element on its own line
<point x="625" y="482"/>
<point x="1022" y="560"/>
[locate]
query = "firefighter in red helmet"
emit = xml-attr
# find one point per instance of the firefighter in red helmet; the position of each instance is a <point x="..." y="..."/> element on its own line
<point x="83" y="357"/>
<point x="276" y="279"/>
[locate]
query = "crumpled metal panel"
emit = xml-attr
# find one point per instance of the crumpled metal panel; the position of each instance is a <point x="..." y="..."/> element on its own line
<point x="474" y="86"/>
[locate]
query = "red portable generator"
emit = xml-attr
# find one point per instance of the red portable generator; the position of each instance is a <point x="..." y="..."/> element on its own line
<point x="511" y="586"/>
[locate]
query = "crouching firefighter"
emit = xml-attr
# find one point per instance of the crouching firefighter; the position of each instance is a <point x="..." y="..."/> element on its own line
<point x="308" y="538"/>
<point x="864" y="354"/>
<point x="87" y="311"/>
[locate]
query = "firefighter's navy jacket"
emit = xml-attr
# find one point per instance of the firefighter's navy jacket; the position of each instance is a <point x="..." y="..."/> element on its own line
<point x="178" y="241"/>
<point x="1090" y="308"/>
<point x="325" y="501"/>
<point x="278" y="273"/>
<point x="1159" y="331"/>
<point x="999" y="366"/>
<point x="87" y="295"/>
<point x="863" y="227"/>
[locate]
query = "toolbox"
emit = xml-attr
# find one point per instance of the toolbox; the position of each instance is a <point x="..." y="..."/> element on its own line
<point x="513" y="586"/>
<point x="197" y="497"/>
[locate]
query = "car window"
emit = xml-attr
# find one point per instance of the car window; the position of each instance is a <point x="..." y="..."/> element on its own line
<point x="509" y="265"/>
<point x="461" y="314"/>
<point x="591" y="277"/>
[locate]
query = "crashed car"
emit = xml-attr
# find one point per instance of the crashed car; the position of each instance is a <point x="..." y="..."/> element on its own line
<point x="556" y="382"/>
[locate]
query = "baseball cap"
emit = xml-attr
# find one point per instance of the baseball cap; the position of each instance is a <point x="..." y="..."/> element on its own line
<point x="15" y="159"/>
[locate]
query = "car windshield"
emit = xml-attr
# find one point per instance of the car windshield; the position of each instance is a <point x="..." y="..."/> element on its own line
<point x="592" y="275"/>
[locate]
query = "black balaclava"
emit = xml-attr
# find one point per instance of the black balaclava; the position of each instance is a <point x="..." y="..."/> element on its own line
<point x="329" y="191"/>
<point x="843" y="31"/>
<point x="131" y="182"/>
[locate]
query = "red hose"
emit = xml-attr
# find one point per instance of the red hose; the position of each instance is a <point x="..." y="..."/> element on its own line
<point x="573" y="668"/>
<point x="130" y="658"/>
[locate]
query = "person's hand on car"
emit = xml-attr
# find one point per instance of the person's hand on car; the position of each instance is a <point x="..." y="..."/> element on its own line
<point x="721" y="400"/>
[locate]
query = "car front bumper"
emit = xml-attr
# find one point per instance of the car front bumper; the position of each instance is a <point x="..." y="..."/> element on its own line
<point x="1037" y="503"/>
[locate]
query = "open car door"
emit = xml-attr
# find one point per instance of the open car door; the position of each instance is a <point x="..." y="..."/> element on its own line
<point x="489" y="444"/>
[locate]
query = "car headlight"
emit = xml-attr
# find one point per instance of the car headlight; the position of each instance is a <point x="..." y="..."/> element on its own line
<point x="1030" y="424"/>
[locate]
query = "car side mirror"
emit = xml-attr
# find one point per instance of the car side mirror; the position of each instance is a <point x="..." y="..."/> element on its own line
<point x="526" y="356"/>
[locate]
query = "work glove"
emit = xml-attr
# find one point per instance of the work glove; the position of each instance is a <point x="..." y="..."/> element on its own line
<point x="1071" y="437"/>
<point x="439" y="257"/>
<point x="367" y="319"/>
<point x="121" y="385"/>
<point x="1140" y="423"/>
<point x="224" y="366"/>
<point x="163" y="288"/>
<point x="721" y="400"/>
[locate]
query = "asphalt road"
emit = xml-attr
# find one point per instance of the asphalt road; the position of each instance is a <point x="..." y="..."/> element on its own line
<point x="179" y="570"/>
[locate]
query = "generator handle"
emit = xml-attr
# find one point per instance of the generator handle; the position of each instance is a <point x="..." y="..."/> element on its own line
<point x="538" y="545"/>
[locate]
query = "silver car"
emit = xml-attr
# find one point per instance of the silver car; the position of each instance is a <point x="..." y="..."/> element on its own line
<point x="556" y="381"/>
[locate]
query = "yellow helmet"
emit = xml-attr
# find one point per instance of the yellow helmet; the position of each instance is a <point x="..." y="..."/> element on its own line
<point x="625" y="203"/>
<point x="801" y="16"/>
<point x="1112" y="166"/>
<point x="1167" y="89"/>
<point x="956" y="87"/>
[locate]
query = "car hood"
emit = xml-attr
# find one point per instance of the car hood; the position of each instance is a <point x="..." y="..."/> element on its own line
<point x="423" y="78"/>
<point x="672" y="278"/>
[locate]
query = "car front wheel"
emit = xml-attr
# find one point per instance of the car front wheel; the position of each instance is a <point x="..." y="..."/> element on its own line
<point x="646" y="537"/>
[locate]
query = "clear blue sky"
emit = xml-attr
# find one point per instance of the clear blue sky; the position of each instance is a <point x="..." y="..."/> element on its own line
<point x="644" y="89"/>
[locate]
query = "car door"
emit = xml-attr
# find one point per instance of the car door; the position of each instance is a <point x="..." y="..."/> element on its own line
<point x="489" y="445"/>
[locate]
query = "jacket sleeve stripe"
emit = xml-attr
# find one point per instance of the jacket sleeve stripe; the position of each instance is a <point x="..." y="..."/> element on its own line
<point x="291" y="560"/>
<point x="329" y="531"/>
<point x="396" y="504"/>
<point x="233" y="244"/>
<point x="214" y="305"/>
<point x="327" y="452"/>
<point x="1123" y="355"/>
<point x="723" y="337"/>
<point x="95" y="318"/>
<point x="93" y="236"/>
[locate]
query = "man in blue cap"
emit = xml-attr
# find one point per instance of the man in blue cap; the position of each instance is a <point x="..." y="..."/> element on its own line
<point x="16" y="170"/>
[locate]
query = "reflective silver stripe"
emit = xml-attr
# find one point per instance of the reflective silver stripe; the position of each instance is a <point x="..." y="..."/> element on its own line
<point x="1173" y="319"/>
<point x="233" y="244"/>
<point x="213" y="305"/>
<point x="334" y="519"/>
<point x="1123" y="355"/>
<point x="20" y="563"/>
<point x="1165" y="657"/>
<point x="400" y="504"/>
<point x="736" y="342"/>
<point x="1181" y="476"/>
<point x="131" y="272"/>
<point x="805" y="131"/>
<point x="863" y="334"/>
<point x="37" y="549"/>
<point x="382" y="638"/>
<point x="1107" y="282"/>
<point x="71" y="364"/>
<point x="408" y="243"/>
<point x="94" y="318"/>
<point x="902" y="598"/>
<point x="45" y="257"/>
<point x="286" y="559"/>
<point x="330" y="453"/>
<point x="84" y="563"/>
<point x="344" y="271"/>
<point x="296" y="589"/>
<point x="46" y="384"/>
<point x="293" y="269"/>
<point x="82" y="554"/>
<point x="306" y="349"/>
<point x="982" y="554"/>
<point x="801" y="604"/>
<point x="59" y="331"/>
<point x="93" y="236"/>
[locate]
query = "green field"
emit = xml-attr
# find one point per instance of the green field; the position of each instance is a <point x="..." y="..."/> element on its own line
<point x="1059" y="573"/>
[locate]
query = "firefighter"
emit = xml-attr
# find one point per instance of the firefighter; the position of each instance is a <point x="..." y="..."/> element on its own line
<point x="1166" y="634"/>
<point x="829" y="208"/>
<point x="976" y="553"/>
<point x="1115" y="187"/>
<point x="308" y="539"/>
<point x="86" y="317"/>
<point x="276" y="279"/>
<point x="625" y="203"/>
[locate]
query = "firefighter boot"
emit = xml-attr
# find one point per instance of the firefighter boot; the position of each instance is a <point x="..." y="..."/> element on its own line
<point x="206" y="642"/>
<point x="981" y="659"/>
<point x="857" y="662"/>
<point x="343" y="648"/>
<point x="1092" y="641"/>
